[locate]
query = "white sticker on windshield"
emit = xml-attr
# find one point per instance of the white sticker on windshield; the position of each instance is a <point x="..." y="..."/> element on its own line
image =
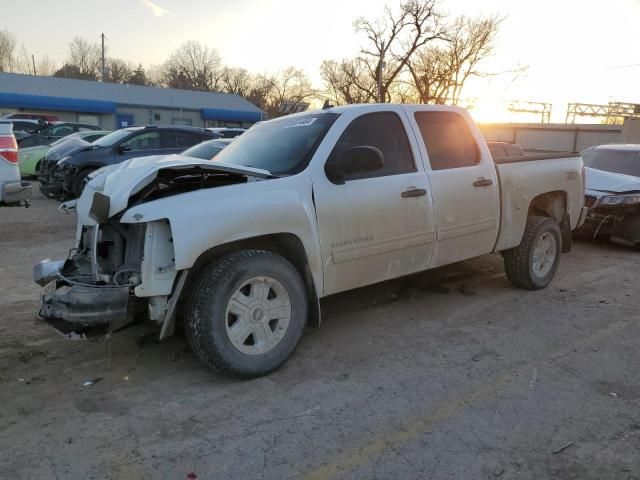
<point x="301" y="123"/>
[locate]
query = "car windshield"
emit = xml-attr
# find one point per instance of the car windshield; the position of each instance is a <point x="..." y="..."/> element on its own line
<point x="283" y="146"/>
<point x="112" y="138"/>
<point x="205" y="150"/>
<point x="626" y="162"/>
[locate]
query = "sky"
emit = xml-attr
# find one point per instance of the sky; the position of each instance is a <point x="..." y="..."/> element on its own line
<point x="571" y="51"/>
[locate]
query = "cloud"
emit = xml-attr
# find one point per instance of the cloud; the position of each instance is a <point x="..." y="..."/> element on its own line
<point x="155" y="9"/>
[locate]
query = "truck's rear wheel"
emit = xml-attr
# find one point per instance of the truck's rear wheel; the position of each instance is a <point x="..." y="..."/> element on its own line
<point x="247" y="313"/>
<point x="534" y="262"/>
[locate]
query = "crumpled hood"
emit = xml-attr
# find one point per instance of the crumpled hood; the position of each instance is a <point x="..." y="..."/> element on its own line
<point x="121" y="181"/>
<point x="600" y="183"/>
<point x="67" y="147"/>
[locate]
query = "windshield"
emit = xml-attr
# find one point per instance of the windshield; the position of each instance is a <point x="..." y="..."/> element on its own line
<point x="283" y="146"/>
<point x="205" y="150"/>
<point x="626" y="162"/>
<point x="112" y="138"/>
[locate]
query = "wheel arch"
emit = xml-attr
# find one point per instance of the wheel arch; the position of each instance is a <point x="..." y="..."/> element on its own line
<point x="554" y="205"/>
<point x="287" y="245"/>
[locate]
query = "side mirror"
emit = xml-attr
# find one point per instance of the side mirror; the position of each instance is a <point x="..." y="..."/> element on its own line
<point x="361" y="159"/>
<point x="124" y="148"/>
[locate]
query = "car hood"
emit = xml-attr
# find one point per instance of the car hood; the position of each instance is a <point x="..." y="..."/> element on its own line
<point x="68" y="147"/>
<point x="600" y="183"/>
<point x="119" y="182"/>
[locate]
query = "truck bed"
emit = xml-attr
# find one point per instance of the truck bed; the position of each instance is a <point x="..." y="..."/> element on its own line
<point x="536" y="156"/>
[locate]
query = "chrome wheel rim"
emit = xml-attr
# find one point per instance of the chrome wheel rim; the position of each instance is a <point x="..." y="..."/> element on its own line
<point x="258" y="315"/>
<point x="544" y="254"/>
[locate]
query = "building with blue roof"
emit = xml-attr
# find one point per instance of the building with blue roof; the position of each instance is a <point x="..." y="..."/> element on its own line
<point x="113" y="105"/>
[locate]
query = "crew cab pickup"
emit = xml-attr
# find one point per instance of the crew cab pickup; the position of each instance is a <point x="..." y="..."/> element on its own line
<point x="298" y="208"/>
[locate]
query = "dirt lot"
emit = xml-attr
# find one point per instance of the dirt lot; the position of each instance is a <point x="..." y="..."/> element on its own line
<point x="451" y="374"/>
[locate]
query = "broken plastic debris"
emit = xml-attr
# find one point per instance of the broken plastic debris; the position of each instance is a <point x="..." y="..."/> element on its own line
<point x="88" y="383"/>
<point x="563" y="447"/>
<point x="126" y="378"/>
<point x="611" y="394"/>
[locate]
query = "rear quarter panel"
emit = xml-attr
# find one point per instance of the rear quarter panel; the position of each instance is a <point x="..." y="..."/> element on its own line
<point x="521" y="182"/>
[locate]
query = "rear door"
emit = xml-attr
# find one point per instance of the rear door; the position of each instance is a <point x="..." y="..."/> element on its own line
<point x="186" y="139"/>
<point x="464" y="185"/>
<point x="377" y="225"/>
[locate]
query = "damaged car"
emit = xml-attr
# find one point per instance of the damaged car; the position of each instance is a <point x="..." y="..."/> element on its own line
<point x="613" y="194"/>
<point x="241" y="249"/>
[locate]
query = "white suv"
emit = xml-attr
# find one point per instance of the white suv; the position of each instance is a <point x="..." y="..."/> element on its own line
<point x="13" y="191"/>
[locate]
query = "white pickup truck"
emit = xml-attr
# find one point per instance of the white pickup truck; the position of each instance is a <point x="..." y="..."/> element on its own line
<point x="298" y="208"/>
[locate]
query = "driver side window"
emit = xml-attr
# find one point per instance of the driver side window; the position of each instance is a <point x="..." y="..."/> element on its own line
<point x="385" y="132"/>
<point x="144" y="141"/>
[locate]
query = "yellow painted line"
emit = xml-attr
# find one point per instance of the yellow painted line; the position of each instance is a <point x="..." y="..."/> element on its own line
<point x="422" y="424"/>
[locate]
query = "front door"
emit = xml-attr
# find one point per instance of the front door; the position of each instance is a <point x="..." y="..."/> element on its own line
<point x="378" y="225"/>
<point x="464" y="183"/>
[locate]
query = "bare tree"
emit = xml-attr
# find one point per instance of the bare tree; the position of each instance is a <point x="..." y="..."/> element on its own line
<point x="393" y="39"/>
<point x="439" y="73"/>
<point x="83" y="60"/>
<point x="348" y="81"/>
<point x="237" y="81"/>
<point x="289" y="85"/>
<point x="118" y="71"/>
<point x="194" y="66"/>
<point x="7" y="48"/>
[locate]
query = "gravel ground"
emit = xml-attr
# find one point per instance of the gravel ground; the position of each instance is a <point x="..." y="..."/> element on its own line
<point x="451" y="374"/>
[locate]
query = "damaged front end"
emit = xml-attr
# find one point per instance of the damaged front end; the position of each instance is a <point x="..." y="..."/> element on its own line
<point x="614" y="216"/>
<point x="117" y="271"/>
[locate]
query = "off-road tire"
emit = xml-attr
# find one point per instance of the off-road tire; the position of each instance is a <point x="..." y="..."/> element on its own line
<point x="205" y="313"/>
<point x="518" y="261"/>
<point x="78" y="182"/>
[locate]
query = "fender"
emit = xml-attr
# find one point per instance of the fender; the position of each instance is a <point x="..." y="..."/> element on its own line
<point x="203" y="219"/>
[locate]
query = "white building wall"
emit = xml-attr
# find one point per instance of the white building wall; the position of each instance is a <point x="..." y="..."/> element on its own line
<point x="553" y="137"/>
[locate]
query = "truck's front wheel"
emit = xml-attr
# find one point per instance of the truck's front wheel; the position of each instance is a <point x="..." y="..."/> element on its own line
<point x="534" y="262"/>
<point x="247" y="313"/>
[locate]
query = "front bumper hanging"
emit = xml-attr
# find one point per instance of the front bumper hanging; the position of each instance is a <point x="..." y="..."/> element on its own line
<point x="80" y="304"/>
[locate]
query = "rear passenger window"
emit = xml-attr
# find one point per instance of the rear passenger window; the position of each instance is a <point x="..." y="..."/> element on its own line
<point x="448" y="140"/>
<point x="385" y="132"/>
<point x="188" y="139"/>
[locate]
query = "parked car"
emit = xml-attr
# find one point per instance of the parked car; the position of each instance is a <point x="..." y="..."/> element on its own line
<point x="298" y="208"/>
<point x="53" y="132"/>
<point x="66" y="176"/>
<point x="207" y="150"/>
<point x="29" y="158"/>
<point x="227" y="132"/>
<point x="45" y="117"/>
<point x="505" y="149"/>
<point x="613" y="193"/>
<point x="25" y="128"/>
<point x="13" y="191"/>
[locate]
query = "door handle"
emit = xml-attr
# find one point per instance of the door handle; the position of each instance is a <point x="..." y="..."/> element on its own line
<point x="483" y="182"/>
<point x="413" y="192"/>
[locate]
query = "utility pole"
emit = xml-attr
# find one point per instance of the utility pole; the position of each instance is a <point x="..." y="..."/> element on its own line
<point x="103" y="64"/>
<point x="381" y="66"/>
<point x="33" y="61"/>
